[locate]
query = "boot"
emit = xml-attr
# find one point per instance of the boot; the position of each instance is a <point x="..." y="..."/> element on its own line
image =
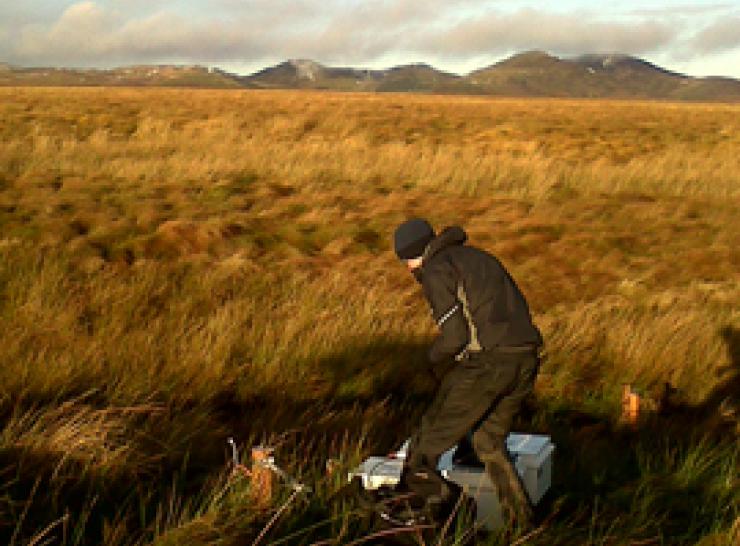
<point x="513" y="499"/>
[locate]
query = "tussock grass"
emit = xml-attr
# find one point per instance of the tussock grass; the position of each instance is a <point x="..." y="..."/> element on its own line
<point x="178" y="267"/>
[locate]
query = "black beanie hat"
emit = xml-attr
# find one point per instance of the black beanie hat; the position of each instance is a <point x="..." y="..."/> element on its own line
<point x="411" y="238"/>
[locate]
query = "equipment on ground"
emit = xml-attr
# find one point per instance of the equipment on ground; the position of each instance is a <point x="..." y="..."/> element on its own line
<point x="530" y="453"/>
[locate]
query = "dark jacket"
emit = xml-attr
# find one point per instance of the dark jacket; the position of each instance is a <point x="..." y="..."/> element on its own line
<point x="499" y="313"/>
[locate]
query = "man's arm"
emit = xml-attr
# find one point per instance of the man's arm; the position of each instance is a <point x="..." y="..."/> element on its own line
<point x="439" y="282"/>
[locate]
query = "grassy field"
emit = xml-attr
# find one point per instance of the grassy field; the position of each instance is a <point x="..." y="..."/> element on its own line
<point x="178" y="267"/>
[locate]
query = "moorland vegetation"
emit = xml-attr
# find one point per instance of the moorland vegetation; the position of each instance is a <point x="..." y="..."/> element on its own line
<point x="181" y="266"/>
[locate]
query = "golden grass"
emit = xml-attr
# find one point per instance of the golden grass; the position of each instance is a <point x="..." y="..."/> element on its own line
<point x="223" y="259"/>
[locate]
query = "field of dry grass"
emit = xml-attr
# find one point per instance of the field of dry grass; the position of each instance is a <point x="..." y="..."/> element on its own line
<point x="179" y="266"/>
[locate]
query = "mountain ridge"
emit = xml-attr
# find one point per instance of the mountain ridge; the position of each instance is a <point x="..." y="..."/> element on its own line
<point x="528" y="74"/>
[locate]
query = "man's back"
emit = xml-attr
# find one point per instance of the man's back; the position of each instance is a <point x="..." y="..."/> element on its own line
<point x="499" y="311"/>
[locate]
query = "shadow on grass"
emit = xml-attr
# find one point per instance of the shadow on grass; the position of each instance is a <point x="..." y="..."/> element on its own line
<point x="40" y="489"/>
<point x="664" y="481"/>
<point x="725" y="396"/>
<point x="369" y="393"/>
<point x="656" y="481"/>
<point x="667" y="480"/>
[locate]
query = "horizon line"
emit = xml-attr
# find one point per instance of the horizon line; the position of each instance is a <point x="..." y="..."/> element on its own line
<point x="219" y="66"/>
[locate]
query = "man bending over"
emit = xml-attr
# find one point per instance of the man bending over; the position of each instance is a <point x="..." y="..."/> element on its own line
<point x="486" y="357"/>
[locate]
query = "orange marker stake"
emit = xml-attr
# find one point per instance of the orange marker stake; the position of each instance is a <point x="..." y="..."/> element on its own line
<point x="630" y="406"/>
<point x="263" y="478"/>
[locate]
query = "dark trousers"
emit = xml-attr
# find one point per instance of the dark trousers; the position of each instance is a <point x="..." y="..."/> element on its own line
<point x="481" y="394"/>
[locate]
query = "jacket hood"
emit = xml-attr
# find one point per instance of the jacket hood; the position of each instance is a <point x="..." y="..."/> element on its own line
<point x="450" y="236"/>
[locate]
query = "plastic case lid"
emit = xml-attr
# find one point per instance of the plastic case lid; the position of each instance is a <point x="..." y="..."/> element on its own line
<point x="526" y="444"/>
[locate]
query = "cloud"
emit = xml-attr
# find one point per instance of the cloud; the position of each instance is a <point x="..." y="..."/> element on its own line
<point x="167" y="35"/>
<point x="94" y="33"/>
<point x="722" y="35"/>
<point x="559" y="33"/>
<point x="682" y="9"/>
<point x="69" y="35"/>
<point x="88" y="33"/>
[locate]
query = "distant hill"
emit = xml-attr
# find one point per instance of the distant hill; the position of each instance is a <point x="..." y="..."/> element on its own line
<point x="306" y="74"/>
<point x="422" y="78"/>
<point x="529" y="74"/>
<point x="139" y="76"/>
<point x="599" y="76"/>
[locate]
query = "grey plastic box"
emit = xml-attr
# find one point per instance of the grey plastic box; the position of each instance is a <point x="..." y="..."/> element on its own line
<point x="531" y="454"/>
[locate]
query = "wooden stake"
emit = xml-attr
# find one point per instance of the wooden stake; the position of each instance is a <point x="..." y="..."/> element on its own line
<point x="263" y="478"/>
<point x="332" y="465"/>
<point x="630" y="405"/>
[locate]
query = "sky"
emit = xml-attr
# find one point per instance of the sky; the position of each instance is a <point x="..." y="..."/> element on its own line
<point x="695" y="37"/>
